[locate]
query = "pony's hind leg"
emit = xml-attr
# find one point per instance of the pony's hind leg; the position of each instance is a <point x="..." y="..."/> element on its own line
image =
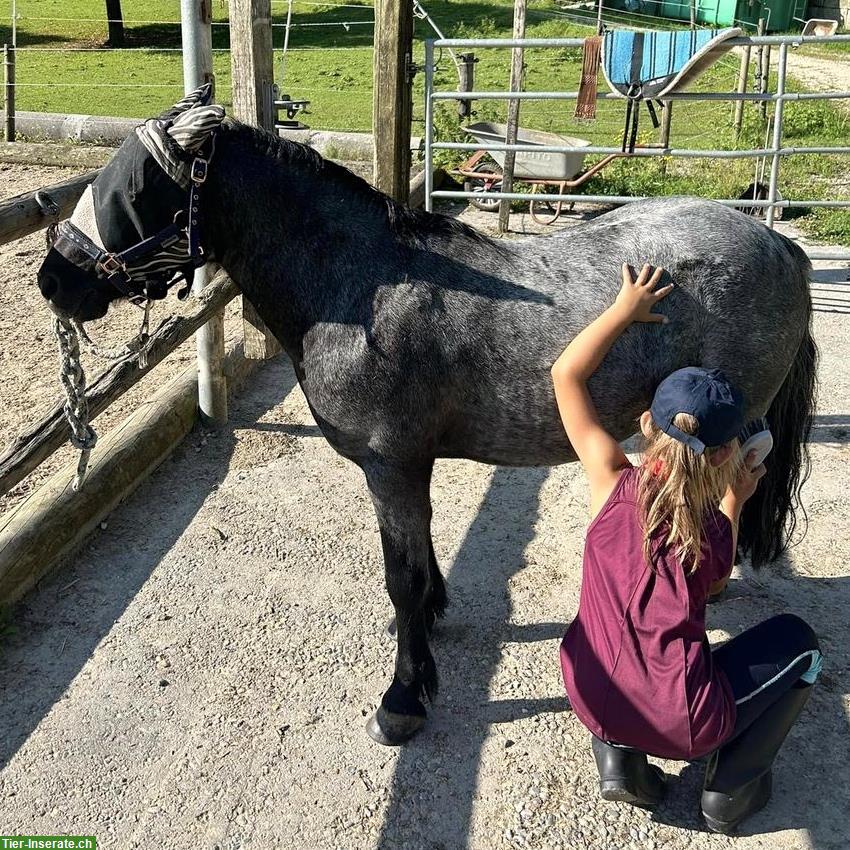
<point x="403" y="508"/>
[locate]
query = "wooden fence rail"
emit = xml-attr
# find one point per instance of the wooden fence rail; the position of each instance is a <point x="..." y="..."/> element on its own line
<point x="42" y="439"/>
<point x="22" y="215"/>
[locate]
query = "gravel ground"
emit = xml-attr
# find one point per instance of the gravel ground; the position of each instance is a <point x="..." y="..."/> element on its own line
<point x="821" y="74"/>
<point x="200" y="674"/>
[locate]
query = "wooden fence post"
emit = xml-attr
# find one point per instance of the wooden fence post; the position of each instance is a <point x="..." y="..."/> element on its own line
<point x="9" y="90"/>
<point x="760" y="67"/>
<point x="513" y="115"/>
<point x="252" y="67"/>
<point x="741" y="88"/>
<point x="664" y="137"/>
<point x="392" y="96"/>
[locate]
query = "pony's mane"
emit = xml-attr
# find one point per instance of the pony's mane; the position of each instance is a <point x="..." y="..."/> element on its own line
<point x="411" y="226"/>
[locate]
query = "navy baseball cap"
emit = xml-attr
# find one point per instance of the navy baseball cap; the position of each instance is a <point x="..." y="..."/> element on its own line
<point x="705" y="394"/>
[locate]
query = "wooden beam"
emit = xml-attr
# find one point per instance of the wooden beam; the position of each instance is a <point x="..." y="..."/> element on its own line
<point x="252" y="62"/>
<point x="392" y="96"/>
<point x="21" y="215"/>
<point x="513" y="114"/>
<point x="55" y="153"/>
<point x="54" y="520"/>
<point x="252" y="71"/>
<point x="416" y="196"/>
<point x="43" y="438"/>
<point x="741" y="87"/>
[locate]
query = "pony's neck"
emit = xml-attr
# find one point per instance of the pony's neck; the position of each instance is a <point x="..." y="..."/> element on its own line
<point x="293" y="230"/>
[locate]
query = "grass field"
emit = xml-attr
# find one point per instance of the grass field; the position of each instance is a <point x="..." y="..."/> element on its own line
<point x="62" y="67"/>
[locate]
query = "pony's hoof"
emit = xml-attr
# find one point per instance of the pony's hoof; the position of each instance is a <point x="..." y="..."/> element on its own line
<point x="393" y="730"/>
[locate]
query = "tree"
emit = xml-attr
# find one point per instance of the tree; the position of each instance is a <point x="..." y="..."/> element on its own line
<point x="116" y="23"/>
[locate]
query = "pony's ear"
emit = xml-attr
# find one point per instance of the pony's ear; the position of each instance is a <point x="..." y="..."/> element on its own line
<point x="192" y="128"/>
<point x="201" y="96"/>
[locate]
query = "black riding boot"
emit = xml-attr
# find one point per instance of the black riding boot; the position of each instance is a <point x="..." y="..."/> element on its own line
<point x="738" y="781"/>
<point x="625" y="776"/>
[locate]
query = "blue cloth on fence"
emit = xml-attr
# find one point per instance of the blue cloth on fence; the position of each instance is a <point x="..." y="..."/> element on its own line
<point x="651" y="64"/>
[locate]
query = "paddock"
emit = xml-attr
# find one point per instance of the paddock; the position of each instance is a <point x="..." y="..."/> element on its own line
<point x="199" y="673"/>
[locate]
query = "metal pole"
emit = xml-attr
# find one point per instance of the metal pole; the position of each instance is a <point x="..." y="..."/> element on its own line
<point x="599" y="18"/>
<point x="196" y="17"/>
<point x="512" y="128"/>
<point x="777" y="132"/>
<point x="741" y="87"/>
<point x="429" y="124"/>
<point x="9" y="89"/>
<point x="285" y="43"/>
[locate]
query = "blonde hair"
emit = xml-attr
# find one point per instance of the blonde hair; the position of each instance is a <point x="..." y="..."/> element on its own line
<point x="677" y="488"/>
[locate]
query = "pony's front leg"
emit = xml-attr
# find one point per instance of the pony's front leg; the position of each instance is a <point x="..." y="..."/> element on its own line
<point x="402" y="504"/>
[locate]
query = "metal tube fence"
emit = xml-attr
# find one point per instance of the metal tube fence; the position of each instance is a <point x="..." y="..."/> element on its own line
<point x="777" y="132"/>
<point x="774" y="153"/>
<point x="572" y="95"/>
<point x="196" y="34"/>
<point x="754" y="41"/>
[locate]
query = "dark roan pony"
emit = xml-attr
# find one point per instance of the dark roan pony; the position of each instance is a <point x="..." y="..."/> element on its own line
<point x="414" y="338"/>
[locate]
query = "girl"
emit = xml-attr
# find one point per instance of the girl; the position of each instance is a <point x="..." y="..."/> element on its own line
<point x="637" y="665"/>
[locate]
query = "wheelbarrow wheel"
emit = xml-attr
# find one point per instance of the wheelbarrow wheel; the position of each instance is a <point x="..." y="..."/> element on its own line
<point x="484" y="186"/>
<point x="545" y="212"/>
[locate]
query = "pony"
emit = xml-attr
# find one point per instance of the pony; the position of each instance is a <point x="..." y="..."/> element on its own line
<point x="414" y="337"/>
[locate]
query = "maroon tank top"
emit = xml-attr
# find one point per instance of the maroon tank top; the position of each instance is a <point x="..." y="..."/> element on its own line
<point x="636" y="660"/>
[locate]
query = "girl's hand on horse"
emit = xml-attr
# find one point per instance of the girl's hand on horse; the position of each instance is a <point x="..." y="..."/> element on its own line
<point x="637" y="297"/>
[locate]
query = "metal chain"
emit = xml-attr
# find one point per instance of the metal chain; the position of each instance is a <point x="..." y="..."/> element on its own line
<point x="136" y="345"/>
<point x="69" y="333"/>
<point x="76" y="409"/>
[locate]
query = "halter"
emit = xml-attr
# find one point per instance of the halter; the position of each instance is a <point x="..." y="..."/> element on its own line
<point x="118" y="267"/>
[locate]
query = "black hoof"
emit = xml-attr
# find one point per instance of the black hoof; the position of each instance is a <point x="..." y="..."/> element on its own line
<point x="393" y="730"/>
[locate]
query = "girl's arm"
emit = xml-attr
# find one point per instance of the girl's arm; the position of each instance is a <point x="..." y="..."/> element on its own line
<point x="599" y="453"/>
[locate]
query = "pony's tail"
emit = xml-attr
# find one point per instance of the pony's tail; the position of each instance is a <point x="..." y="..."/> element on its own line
<point x="770" y="516"/>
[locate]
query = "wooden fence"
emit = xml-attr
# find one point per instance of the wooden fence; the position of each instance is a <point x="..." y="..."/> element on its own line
<point x="52" y="520"/>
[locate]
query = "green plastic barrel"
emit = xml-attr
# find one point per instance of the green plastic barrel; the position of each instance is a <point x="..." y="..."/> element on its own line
<point x="782" y="15"/>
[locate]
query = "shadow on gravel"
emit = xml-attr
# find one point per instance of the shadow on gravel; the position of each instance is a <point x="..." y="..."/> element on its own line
<point x="436" y="777"/>
<point x="811" y="787"/>
<point x="830" y="428"/>
<point x="58" y="625"/>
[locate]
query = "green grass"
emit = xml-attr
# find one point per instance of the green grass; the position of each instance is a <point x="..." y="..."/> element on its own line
<point x="332" y="67"/>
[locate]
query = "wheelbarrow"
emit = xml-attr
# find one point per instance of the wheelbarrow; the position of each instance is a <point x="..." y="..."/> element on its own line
<point x="545" y="172"/>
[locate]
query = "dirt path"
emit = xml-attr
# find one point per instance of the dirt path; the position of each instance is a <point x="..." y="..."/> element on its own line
<point x="199" y="676"/>
<point x="821" y="74"/>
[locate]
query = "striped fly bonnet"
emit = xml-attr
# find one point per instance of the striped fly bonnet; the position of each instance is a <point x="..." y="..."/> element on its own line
<point x="115" y="211"/>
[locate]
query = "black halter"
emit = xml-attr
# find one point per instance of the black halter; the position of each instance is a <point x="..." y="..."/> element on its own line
<point x="117" y="267"/>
